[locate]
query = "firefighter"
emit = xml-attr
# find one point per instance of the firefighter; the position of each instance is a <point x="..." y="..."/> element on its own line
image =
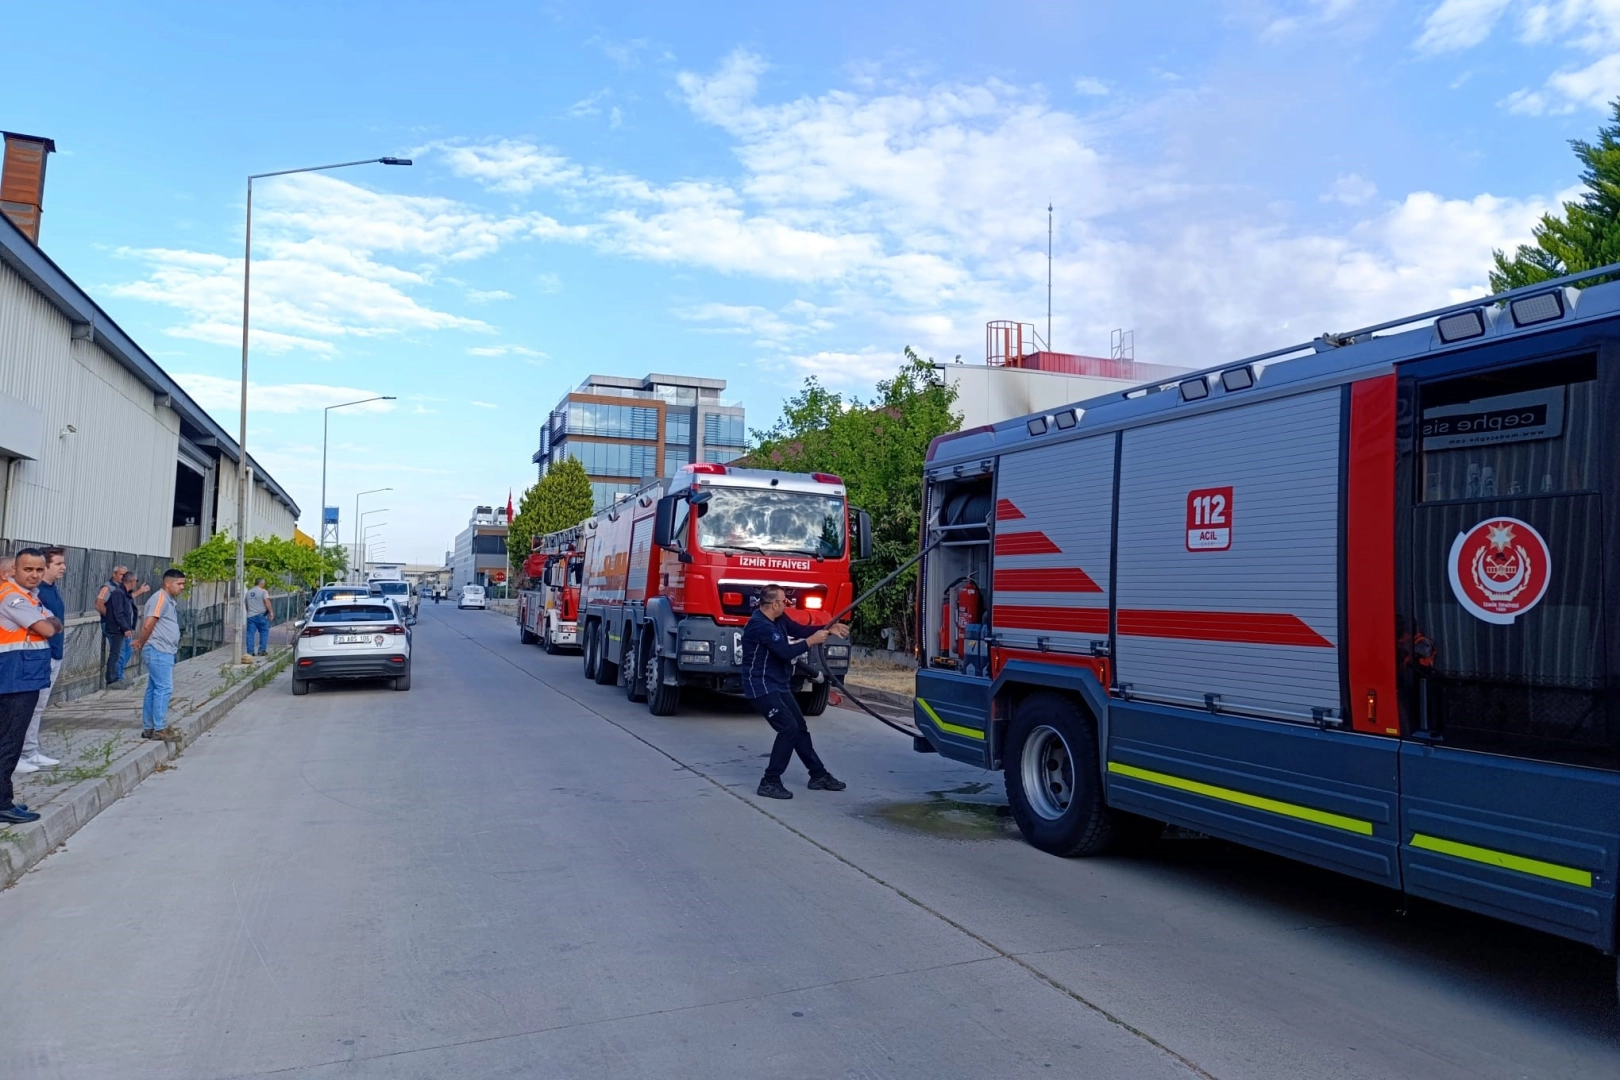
<point x="771" y="643"/>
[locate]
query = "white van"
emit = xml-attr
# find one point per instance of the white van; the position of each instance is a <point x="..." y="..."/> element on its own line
<point x="471" y="596"/>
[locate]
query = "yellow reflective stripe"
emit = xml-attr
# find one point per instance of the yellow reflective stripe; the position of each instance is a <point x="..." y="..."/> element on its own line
<point x="1243" y="798"/>
<point x="1523" y="865"/>
<point x="954" y="729"/>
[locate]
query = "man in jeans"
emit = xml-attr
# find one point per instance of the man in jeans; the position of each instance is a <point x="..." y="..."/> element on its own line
<point x="32" y="759"/>
<point x="257" y="602"/>
<point x="159" y="642"/>
<point x="25" y="669"/>
<point x="118" y="618"/>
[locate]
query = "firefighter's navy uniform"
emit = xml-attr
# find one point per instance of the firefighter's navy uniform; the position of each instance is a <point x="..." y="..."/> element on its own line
<point x="769" y="649"/>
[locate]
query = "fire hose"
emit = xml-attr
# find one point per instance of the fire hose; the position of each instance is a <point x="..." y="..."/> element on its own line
<point x="827" y="671"/>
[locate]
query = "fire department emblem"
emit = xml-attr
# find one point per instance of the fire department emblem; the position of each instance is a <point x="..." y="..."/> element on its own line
<point x="1499" y="569"/>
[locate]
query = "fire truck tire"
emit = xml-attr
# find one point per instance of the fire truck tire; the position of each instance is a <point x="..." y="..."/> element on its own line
<point x="813" y="702"/>
<point x="549" y="641"/>
<point x="525" y="636"/>
<point x="1054" y="784"/>
<point x="662" y="700"/>
<point x="632" y="672"/>
<point x="591" y="652"/>
<point x="607" y="674"/>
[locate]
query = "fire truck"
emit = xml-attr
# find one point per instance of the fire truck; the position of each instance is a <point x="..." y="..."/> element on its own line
<point x="1355" y="602"/>
<point x="673" y="571"/>
<point x="548" y="610"/>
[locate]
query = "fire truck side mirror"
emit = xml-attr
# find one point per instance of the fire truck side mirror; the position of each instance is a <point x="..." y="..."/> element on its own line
<point x="664" y="522"/>
<point x="863" y="535"/>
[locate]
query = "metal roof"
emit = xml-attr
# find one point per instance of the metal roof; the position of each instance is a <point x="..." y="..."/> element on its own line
<point x="1325" y="361"/>
<point x="88" y="319"/>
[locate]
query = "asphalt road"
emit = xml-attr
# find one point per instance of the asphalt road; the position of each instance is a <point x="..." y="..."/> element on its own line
<point x="511" y="872"/>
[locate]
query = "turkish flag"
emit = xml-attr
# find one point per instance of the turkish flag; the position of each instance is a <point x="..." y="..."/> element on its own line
<point x="508" y="504"/>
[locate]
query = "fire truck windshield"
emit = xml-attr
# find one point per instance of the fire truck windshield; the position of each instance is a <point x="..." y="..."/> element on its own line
<point x="761" y="520"/>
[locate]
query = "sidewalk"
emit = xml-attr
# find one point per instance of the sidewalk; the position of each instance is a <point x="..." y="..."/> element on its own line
<point x="97" y="739"/>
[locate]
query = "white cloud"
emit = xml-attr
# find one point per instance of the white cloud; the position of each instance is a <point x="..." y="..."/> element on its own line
<point x="1352" y="190"/>
<point x="488" y="296"/>
<point x="1460" y="24"/>
<point x="484" y="404"/>
<point x="507" y="350"/>
<point x="1088" y="86"/>
<point x="213" y="392"/>
<point x="1588" y="28"/>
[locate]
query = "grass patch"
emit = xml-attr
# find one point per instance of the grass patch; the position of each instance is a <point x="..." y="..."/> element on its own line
<point x="10" y="836"/>
<point x="93" y="763"/>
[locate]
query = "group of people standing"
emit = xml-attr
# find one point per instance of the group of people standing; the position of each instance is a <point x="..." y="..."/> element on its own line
<point x="32" y="616"/>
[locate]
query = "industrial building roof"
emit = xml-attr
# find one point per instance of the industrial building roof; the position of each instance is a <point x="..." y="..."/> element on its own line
<point x="90" y="321"/>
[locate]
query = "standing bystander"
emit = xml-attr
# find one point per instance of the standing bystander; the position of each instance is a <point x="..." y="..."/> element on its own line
<point x="51" y="601"/>
<point x="159" y="642"/>
<point x="256" y="601"/>
<point x="25" y="668"/>
<point x="118" y="625"/>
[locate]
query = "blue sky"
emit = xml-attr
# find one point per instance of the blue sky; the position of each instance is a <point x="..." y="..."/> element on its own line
<point x="763" y="192"/>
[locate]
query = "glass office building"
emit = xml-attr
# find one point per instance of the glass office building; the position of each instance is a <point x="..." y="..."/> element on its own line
<point x="628" y="432"/>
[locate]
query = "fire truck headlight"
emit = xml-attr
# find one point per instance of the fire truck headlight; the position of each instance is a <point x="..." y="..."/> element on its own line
<point x="836" y="651"/>
<point x="812" y="603"/>
<point x="702" y="648"/>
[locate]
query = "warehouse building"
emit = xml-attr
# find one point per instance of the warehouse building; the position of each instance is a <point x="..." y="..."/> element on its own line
<point x="101" y="451"/>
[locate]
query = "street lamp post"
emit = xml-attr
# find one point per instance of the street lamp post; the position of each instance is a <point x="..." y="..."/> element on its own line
<point x="326" y="419"/>
<point x="242" y="491"/>
<point x="365" y="538"/>
<point x="373" y="491"/>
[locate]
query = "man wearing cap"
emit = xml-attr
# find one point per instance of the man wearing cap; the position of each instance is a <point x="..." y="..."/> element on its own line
<point x="25" y="668"/>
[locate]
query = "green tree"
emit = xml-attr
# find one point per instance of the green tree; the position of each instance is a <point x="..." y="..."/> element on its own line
<point x="283" y="562"/>
<point x="878" y="447"/>
<point x="1588" y="233"/>
<point x="559" y="500"/>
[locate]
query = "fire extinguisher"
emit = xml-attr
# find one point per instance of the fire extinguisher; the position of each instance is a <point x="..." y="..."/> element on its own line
<point x="959" y="610"/>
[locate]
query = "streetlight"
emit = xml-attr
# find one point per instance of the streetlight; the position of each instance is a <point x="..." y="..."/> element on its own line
<point x="241" y="437"/>
<point x="365" y="539"/>
<point x="326" y="419"/>
<point x="373" y="491"/>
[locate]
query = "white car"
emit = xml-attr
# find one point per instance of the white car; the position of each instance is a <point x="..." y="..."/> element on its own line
<point x="352" y="638"/>
<point x="471" y="596"/>
<point x="400" y="592"/>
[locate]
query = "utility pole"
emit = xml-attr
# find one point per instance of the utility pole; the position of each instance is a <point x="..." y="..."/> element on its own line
<point x="1049" y="277"/>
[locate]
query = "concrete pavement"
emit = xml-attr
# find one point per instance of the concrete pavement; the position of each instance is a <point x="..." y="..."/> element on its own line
<point x="509" y="871"/>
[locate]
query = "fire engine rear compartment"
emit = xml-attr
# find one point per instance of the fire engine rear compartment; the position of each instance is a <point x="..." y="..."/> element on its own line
<point x="1242" y="582"/>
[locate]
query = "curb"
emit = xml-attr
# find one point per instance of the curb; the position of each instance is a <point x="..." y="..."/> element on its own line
<point x="74" y="808"/>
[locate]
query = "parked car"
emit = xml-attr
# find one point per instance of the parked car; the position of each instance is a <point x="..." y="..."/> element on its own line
<point x="400" y="592"/>
<point x="352" y="638"/>
<point x="471" y="596"/>
<point x="334" y="592"/>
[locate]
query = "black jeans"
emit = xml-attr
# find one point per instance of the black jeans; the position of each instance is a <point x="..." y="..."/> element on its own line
<point x="781" y="711"/>
<point x="15" y="712"/>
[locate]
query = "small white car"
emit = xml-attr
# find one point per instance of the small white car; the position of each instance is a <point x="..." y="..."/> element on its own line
<point x="352" y="638"/>
<point x="471" y="596"/>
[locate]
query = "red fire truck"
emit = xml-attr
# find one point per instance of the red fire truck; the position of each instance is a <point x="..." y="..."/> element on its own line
<point x="548" y="611"/>
<point x="1355" y="602"/>
<point x="673" y="572"/>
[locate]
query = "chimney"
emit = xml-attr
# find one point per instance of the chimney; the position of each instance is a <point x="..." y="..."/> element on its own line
<point x="22" y="181"/>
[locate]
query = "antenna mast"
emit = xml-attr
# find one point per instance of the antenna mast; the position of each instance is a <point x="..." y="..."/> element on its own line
<point x="1049" y="276"/>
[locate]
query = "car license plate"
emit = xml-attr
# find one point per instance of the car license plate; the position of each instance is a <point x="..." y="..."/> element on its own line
<point x="351" y="639"/>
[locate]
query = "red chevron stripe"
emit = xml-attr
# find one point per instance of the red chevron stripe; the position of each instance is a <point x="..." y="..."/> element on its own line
<point x="1247" y="627"/>
<point x="1057" y="580"/>
<point x="1006" y="511"/>
<point x="1064" y="620"/>
<point x="1026" y="543"/>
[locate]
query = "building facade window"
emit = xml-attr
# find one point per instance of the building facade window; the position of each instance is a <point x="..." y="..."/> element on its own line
<point x="676" y="458"/>
<point x="678" y="427"/>
<point x="721" y="429"/>
<point x="719" y="455"/>
<point x="614" y="459"/>
<point x="615" y="421"/>
<point x="606" y="492"/>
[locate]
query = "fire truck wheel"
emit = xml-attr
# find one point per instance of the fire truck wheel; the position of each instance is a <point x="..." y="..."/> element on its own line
<point x="591" y="652"/>
<point x="607" y="674"/>
<point x="661" y="700"/>
<point x="549" y="641"/>
<point x="525" y="637"/>
<point x="633" y="674"/>
<point x="1053" y="783"/>
<point x="814" y="701"/>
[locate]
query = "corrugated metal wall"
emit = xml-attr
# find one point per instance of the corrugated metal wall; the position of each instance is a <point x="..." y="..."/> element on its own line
<point x="110" y="485"/>
<point x="266" y="515"/>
